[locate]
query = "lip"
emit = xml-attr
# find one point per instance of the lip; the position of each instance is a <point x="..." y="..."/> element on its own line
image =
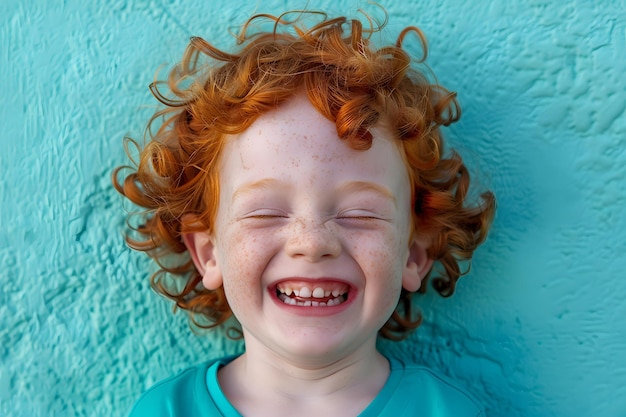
<point x="313" y="311"/>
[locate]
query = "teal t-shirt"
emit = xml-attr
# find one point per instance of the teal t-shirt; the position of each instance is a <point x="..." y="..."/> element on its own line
<point x="410" y="390"/>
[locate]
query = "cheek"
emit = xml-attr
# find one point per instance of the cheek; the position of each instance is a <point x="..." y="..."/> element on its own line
<point x="382" y="261"/>
<point x="245" y="255"/>
<point x="240" y="273"/>
<point x="383" y="281"/>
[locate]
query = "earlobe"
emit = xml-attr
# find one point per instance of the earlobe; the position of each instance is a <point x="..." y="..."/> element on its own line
<point x="417" y="266"/>
<point x="202" y="250"/>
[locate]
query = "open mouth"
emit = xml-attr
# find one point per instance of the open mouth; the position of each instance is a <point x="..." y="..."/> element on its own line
<point x="312" y="296"/>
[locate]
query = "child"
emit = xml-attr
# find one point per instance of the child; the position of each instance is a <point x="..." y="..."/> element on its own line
<point x="303" y="182"/>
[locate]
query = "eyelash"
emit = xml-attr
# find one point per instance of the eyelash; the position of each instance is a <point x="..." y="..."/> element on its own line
<point x="358" y="216"/>
<point x="348" y="215"/>
<point x="266" y="214"/>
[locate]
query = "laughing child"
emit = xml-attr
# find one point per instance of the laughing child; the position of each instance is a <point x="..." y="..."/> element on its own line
<point x="303" y="186"/>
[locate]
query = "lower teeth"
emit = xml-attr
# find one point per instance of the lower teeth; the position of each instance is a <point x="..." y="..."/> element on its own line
<point x="308" y="303"/>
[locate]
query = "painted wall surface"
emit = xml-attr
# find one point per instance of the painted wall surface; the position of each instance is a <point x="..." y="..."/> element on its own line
<point x="536" y="329"/>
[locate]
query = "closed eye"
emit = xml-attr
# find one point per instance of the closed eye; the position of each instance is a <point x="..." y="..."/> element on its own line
<point x="265" y="214"/>
<point x="359" y="215"/>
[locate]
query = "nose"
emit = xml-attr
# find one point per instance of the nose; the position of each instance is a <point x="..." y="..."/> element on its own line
<point x="313" y="240"/>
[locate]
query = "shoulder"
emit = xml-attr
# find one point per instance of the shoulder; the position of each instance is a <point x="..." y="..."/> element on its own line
<point x="416" y="387"/>
<point x="178" y="395"/>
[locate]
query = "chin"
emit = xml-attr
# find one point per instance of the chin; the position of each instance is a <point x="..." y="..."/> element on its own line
<point x="315" y="346"/>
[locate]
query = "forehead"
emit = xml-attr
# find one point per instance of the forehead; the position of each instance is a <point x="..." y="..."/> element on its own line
<point x="296" y="140"/>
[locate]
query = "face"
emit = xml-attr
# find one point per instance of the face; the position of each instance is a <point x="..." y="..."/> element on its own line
<point x="311" y="238"/>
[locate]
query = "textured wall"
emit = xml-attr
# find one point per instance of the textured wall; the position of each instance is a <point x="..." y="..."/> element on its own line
<point x="537" y="329"/>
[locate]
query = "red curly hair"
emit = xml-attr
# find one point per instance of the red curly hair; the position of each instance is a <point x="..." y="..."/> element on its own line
<point x="348" y="81"/>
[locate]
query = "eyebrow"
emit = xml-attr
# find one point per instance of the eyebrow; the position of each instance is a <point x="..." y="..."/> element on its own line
<point x="359" y="186"/>
<point x="264" y="184"/>
<point x="345" y="188"/>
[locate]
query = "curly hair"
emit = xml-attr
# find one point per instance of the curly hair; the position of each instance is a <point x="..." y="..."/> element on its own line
<point x="212" y="94"/>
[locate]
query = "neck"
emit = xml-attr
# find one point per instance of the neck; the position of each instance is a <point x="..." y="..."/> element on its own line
<point x="263" y="382"/>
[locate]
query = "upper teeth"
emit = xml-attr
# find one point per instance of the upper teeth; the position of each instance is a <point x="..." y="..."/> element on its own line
<point x="306" y="292"/>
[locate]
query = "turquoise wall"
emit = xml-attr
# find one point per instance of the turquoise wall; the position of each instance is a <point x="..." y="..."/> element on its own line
<point x="537" y="329"/>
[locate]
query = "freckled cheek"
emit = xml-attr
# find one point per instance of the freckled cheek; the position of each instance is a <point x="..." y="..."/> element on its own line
<point x="383" y="282"/>
<point x="242" y="270"/>
<point x="382" y="263"/>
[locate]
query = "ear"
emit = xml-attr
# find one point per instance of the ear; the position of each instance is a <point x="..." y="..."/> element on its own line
<point x="417" y="266"/>
<point x="202" y="249"/>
